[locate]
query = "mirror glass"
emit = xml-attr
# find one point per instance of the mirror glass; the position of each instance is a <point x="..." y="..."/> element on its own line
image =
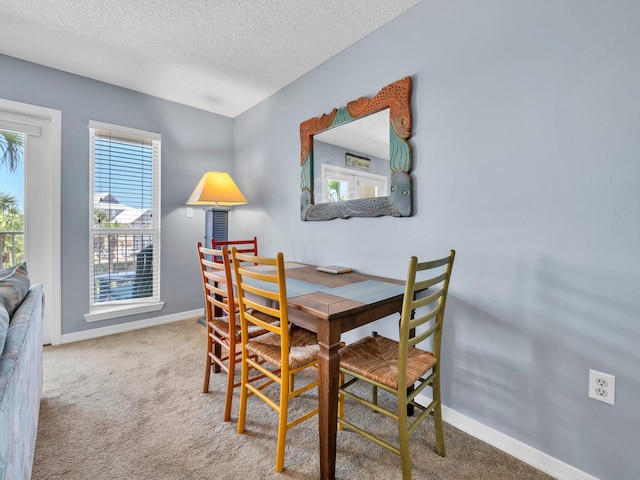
<point x="356" y="160"/>
<point x="351" y="161"/>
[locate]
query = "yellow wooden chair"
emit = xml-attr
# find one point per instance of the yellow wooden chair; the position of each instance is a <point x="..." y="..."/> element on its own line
<point x="223" y="336"/>
<point x="286" y="349"/>
<point x="399" y="367"/>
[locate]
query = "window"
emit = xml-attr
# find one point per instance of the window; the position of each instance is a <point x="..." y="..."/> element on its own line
<point x="339" y="184"/>
<point x="124" y="221"/>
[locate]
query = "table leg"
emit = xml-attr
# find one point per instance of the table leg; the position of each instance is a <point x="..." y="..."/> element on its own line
<point x="328" y="378"/>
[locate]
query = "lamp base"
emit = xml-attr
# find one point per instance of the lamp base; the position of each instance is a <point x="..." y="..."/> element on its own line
<point x="216" y="225"/>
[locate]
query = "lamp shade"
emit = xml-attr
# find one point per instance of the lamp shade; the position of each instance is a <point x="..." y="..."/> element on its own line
<point x="216" y="188"/>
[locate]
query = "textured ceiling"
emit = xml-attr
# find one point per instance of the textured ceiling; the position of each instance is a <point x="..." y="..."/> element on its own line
<point x="223" y="56"/>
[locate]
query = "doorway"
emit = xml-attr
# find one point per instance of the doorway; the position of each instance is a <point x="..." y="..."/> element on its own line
<point x="41" y="128"/>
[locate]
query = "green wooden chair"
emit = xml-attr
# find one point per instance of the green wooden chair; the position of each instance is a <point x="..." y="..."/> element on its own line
<point x="399" y="367"/>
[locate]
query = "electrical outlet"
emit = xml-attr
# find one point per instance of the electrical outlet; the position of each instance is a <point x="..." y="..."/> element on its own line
<point x="602" y="386"/>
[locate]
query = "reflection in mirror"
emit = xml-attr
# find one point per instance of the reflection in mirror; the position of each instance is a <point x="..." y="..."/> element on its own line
<point x="351" y="161"/>
<point x="356" y="161"/>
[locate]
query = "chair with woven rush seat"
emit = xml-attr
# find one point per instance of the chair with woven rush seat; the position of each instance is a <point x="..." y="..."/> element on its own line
<point x="220" y="306"/>
<point x="286" y="349"/>
<point x="399" y="367"/>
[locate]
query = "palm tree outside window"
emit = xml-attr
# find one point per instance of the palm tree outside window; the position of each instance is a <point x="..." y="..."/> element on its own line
<point x="11" y="215"/>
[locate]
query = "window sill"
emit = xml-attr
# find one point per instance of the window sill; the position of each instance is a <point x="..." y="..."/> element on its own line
<point x="122" y="311"/>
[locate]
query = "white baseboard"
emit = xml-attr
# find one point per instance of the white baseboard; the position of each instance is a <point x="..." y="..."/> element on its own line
<point x="129" y="326"/>
<point x="513" y="447"/>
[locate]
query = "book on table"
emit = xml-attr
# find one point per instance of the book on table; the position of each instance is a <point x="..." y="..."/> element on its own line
<point x="334" y="269"/>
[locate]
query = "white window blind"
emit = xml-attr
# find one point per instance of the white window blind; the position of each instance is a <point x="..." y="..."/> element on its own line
<point x="124" y="217"/>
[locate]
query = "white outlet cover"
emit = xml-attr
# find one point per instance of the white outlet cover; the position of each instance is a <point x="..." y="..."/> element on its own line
<point x="602" y="387"/>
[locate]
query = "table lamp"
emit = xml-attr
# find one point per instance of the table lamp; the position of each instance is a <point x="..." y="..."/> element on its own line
<point x="218" y="190"/>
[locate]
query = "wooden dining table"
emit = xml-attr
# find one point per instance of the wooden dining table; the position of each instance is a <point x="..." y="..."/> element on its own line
<point x="329" y="305"/>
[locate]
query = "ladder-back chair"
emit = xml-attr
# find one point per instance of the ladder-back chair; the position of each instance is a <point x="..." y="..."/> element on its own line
<point x="401" y="368"/>
<point x="286" y="349"/>
<point x="222" y="319"/>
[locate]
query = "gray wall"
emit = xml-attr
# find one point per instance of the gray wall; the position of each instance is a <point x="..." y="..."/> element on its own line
<point x="193" y="141"/>
<point x="526" y="144"/>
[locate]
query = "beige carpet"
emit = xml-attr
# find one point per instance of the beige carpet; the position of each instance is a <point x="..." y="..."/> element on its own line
<point x="129" y="406"/>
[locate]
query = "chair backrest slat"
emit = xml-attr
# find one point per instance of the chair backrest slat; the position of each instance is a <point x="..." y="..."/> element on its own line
<point x="424" y="317"/>
<point x="422" y="301"/>
<point x="430" y="264"/>
<point x="429" y="282"/>
<point x="422" y="336"/>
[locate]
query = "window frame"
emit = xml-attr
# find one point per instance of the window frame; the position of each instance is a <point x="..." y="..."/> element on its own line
<point x="130" y="306"/>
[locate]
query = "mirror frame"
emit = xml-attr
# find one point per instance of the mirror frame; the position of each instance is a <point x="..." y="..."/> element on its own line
<point x="397" y="98"/>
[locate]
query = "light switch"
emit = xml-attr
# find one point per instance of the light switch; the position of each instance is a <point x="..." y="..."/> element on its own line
<point x="189" y="212"/>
